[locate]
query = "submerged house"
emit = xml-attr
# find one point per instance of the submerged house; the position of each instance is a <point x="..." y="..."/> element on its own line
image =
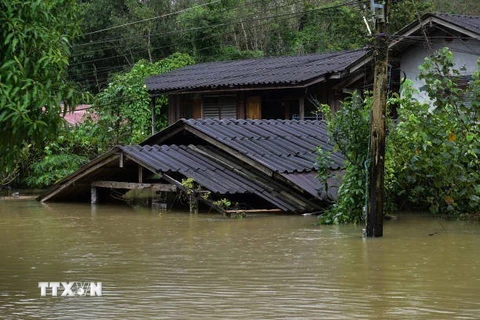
<point x="230" y="149"/>
<point x="260" y="164"/>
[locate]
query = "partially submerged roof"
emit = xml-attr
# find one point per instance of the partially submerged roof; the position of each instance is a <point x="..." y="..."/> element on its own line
<point x="283" y="146"/>
<point x="273" y="160"/>
<point x="217" y="173"/>
<point x="290" y="71"/>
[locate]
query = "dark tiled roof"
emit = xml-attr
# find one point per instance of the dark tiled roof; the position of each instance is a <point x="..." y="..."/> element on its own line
<point x="283" y="146"/>
<point x="212" y="171"/>
<point x="465" y="24"/>
<point x="280" y="71"/>
<point x="470" y="23"/>
<point x="192" y="162"/>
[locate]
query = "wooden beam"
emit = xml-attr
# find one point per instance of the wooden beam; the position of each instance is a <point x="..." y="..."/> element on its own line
<point x="71" y="180"/>
<point x="255" y="211"/>
<point x="140" y="174"/>
<point x="121" y="159"/>
<point x="94" y="195"/>
<point x="134" y="186"/>
<point x="301" y="108"/>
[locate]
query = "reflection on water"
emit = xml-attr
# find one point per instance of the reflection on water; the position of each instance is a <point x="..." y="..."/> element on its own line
<point x="182" y="266"/>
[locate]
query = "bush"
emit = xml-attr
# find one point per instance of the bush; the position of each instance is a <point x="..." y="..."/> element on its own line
<point x="435" y="146"/>
<point x="349" y="130"/>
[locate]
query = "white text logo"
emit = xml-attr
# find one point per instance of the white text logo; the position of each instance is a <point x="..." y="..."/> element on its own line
<point x="71" y="289"/>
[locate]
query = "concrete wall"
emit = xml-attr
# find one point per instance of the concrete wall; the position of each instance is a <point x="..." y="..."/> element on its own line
<point x="465" y="51"/>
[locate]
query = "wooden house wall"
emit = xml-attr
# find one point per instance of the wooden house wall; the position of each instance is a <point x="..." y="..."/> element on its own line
<point x="258" y="104"/>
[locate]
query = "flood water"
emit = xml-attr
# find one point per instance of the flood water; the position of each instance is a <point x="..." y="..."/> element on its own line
<point x="182" y="266"/>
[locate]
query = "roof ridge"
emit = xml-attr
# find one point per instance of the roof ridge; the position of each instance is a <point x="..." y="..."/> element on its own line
<point x="456" y="15"/>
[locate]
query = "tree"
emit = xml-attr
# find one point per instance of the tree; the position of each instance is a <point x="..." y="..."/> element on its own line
<point x="124" y="106"/>
<point x="432" y="160"/>
<point x="435" y="147"/>
<point x="348" y="129"/>
<point x="34" y="41"/>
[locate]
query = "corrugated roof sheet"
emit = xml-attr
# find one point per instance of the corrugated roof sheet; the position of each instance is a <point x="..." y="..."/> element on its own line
<point x="471" y="23"/>
<point x="283" y="146"/>
<point x="203" y="165"/>
<point x="189" y="161"/>
<point x="279" y="71"/>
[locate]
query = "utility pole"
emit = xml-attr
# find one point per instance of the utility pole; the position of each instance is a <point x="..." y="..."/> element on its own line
<point x="374" y="227"/>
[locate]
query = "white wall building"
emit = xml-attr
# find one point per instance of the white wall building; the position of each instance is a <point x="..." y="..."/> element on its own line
<point x="418" y="40"/>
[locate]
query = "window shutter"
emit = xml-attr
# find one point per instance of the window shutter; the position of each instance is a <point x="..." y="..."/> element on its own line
<point x="220" y="107"/>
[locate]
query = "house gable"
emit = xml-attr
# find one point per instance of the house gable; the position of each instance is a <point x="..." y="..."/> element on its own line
<point x="421" y="38"/>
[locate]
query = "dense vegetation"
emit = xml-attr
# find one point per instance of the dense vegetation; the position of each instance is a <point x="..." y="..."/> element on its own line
<point x="432" y="149"/>
<point x="117" y="34"/>
<point x="107" y="48"/>
<point x="33" y="72"/>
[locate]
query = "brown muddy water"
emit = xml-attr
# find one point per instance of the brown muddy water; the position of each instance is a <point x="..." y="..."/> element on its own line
<point x="182" y="266"/>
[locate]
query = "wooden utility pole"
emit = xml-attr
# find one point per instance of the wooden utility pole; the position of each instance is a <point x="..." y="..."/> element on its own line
<point x="374" y="226"/>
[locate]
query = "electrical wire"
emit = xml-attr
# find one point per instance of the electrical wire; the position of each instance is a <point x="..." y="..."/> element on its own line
<point x="283" y="17"/>
<point x="150" y="19"/>
<point x="291" y="15"/>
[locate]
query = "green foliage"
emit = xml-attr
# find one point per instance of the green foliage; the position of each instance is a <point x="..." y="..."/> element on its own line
<point x="468" y="7"/>
<point x="73" y="147"/>
<point x="348" y="129"/>
<point x="432" y="159"/>
<point x="190" y="185"/>
<point x="435" y="146"/>
<point x="53" y="168"/>
<point x="227" y="29"/>
<point x="404" y="12"/>
<point x="330" y="30"/>
<point x="202" y="29"/>
<point x="124" y="106"/>
<point x="223" y="203"/>
<point x="323" y="165"/>
<point x="34" y="42"/>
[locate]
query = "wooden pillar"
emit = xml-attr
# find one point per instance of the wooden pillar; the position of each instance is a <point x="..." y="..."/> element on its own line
<point x="94" y="195"/>
<point x="301" y="108"/>
<point x="172" y="105"/>
<point x="241" y="105"/>
<point x="140" y="174"/>
<point x="154" y="115"/>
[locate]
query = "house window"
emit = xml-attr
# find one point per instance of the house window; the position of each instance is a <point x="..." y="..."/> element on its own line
<point x="220" y="107"/>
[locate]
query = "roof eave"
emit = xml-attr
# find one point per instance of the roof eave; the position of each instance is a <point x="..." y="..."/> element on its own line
<point x="426" y="20"/>
<point x="278" y="86"/>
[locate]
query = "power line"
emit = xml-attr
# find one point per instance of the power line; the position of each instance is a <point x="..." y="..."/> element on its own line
<point x="199" y="28"/>
<point x="94" y="73"/>
<point x="150" y="19"/>
<point x="231" y="23"/>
